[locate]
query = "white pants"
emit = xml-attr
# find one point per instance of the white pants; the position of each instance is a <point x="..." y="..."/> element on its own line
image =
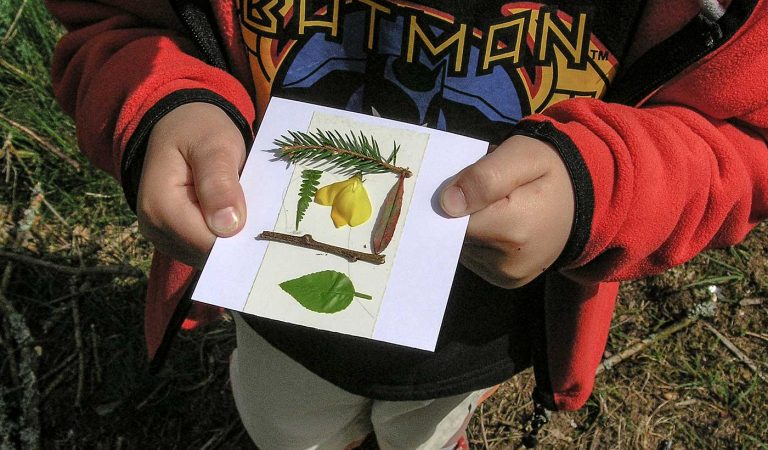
<point x="284" y="406"/>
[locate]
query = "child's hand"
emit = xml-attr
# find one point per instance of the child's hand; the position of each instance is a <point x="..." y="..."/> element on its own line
<point x="521" y="203"/>
<point x="189" y="190"/>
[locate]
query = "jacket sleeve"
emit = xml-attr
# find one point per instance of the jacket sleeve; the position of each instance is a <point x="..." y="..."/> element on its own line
<point x="688" y="171"/>
<point x="121" y="67"/>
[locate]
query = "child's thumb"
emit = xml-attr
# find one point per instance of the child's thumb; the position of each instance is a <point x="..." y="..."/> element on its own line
<point x="215" y="172"/>
<point x="491" y="178"/>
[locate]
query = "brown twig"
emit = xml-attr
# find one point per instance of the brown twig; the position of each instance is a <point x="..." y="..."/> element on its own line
<point x="20" y="73"/>
<point x="55" y="213"/>
<point x="12" y="27"/>
<point x="755" y="301"/>
<point x="95" y="350"/>
<point x="47" y="145"/>
<point x="736" y="351"/>
<point x="60" y="378"/>
<point x="58" y="367"/>
<point x="610" y="363"/>
<point x="79" y="292"/>
<point x="29" y="422"/>
<point x="79" y="347"/>
<point x="482" y="426"/>
<point x="756" y="335"/>
<point x="126" y="270"/>
<point x="5" y="154"/>
<point x="154" y="392"/>
<point x="307" y="241"/>
<point x="9" y="350"/>
<point x="220" y="435"/>
<point x="45" y="376"/>
<point x="5" y="421"/>
<point x="703" y="309"/>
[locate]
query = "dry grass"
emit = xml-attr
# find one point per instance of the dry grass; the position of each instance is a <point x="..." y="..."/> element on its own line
<point x="72" y="365"/>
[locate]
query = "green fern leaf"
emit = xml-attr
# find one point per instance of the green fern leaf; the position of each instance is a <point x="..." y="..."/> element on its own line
<point x="310" y="180"/>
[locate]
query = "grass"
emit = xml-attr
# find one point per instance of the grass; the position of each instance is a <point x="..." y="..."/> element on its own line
<point x="72" y="364"/>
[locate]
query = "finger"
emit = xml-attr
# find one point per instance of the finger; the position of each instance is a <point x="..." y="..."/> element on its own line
<point x="517" y="161"/>
<point x="188" y="241"/>
<point x="215" y="170"/>
<point x="168" y="211"/>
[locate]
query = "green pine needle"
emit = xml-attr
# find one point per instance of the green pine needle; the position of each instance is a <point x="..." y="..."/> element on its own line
<point x="351" y="152"/>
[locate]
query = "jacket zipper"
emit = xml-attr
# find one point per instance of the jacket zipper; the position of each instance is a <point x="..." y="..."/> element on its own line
<point x="668" y="77"/>
<point x="199" y="23"/>
<point x="692" y="43"/>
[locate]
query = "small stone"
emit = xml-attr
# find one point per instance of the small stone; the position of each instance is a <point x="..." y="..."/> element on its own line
<point x="670" y="396"/>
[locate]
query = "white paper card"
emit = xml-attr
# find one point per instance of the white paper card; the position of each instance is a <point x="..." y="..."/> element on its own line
<point x="408" y="292"/>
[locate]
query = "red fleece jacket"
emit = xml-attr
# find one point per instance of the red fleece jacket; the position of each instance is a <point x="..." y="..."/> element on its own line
<point x="682" y="171"/>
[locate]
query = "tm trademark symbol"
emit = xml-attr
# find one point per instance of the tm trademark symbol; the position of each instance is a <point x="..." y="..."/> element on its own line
<point x="599" y="55"/>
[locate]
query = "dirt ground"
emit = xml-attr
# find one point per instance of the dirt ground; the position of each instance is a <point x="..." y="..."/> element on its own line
<point x="80" y="380"/>
<point x="73" y="371"/>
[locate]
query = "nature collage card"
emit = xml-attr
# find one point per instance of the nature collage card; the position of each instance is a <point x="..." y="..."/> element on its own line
<point x="344" y="230"/>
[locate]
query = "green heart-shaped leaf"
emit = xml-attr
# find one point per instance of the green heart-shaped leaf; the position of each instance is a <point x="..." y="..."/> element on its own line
<point x="325" y="292"/>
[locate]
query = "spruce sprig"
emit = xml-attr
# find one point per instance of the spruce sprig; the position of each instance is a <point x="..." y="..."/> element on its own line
<point x="348" y="151"/>
<point x="310" y="180"/>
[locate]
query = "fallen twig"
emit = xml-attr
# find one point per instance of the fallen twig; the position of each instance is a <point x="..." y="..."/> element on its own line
<point x="56" y="214"/>
<point x="47" y="145"/>
<point x="30" y="218"/>
<point x="4" y="153"/>
<point x="705" y="309"/>
<point x="757" y="335"/>
<point x="29" y="419"/>
<point x="482" y="426"/>
<point x="736" y="351"/>
<point x="124" y="270"/>
<point x="689" y="402"/>
<point x="11" y="353"/>
<point x="307" y="241"/>
<point x="58" y="367"/>
<point x="95" y="350"/>
<point x="5" y="422"/>
<point x="79" y="347"/>
<point x="79" y="292"/>
<point x="18" y="72"/>
<point x="60" y="378"/>
<point x="755" y="301"/>
<point x="216" y="439"/>
<point x="12" y="27"/>
<point x="152" y="394"/>
<point x="610" y="363"/>
<point x="44" y="377"/>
